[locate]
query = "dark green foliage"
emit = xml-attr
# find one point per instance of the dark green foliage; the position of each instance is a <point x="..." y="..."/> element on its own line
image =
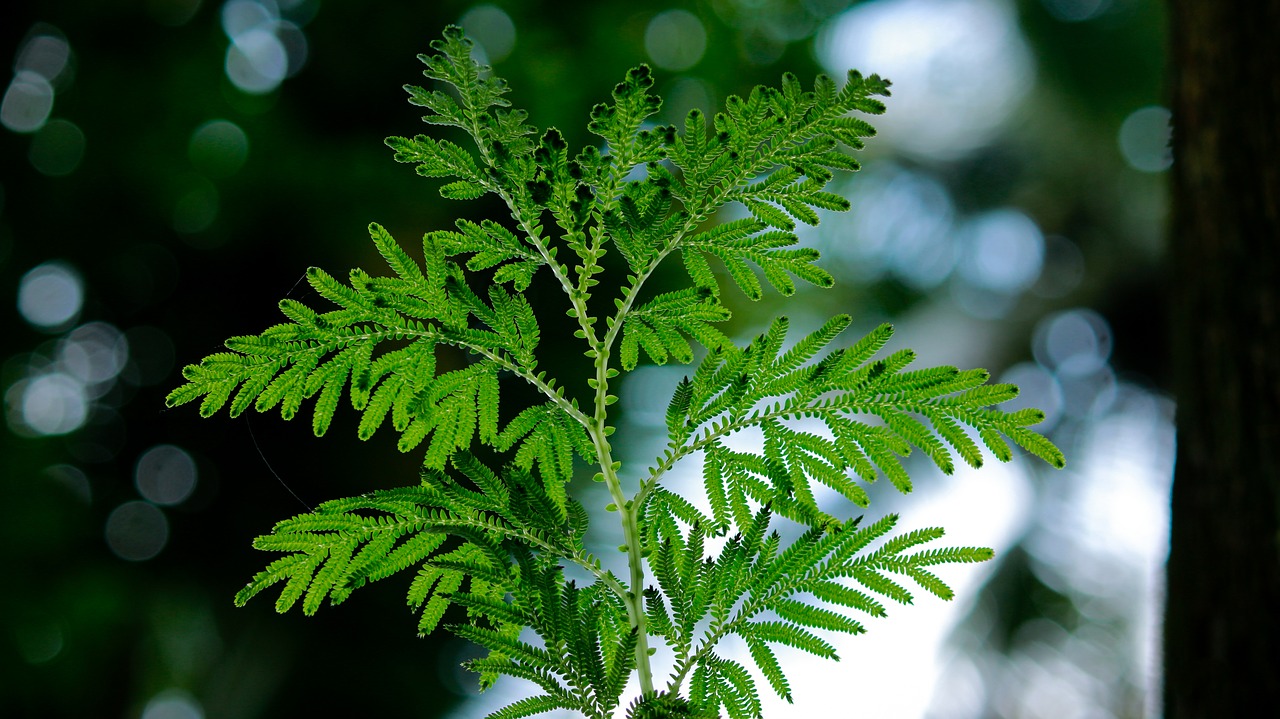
<point x="493" y="543"/>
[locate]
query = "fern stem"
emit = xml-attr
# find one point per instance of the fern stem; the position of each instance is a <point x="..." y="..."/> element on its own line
<point x="577" y="297"/>
<point x="628" y="511"/>
<point x="634" y="597"/>
<point x="632" y="292"/>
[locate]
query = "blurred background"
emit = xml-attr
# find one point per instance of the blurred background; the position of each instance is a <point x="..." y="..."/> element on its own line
<point x="169" y="168"/>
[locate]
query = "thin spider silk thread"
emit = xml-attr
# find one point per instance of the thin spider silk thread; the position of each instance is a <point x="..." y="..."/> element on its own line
<point x="271" y="469"/>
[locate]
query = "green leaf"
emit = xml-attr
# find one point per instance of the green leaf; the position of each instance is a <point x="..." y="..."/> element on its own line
<point x="435" y="158"/>
<point x="658" y="325"/>
<point x="769" y="666"/>
<point x="530" y="707"/>
<point x="549" y="437"/>
<point x="462" y="190"/>
<point x="423" y="344"/>
<point x="741" y="241"/>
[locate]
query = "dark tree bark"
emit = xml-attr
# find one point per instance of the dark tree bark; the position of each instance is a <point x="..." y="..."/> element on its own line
<point x="1222" y="623"/>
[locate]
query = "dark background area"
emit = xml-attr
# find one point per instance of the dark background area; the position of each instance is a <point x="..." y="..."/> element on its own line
<point x="180" y="239"/>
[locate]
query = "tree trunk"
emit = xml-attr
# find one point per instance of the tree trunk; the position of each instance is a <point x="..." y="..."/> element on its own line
<point x="1222" y="623"/>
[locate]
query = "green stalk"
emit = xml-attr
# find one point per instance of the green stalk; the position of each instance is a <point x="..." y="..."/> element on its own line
<point x="628" y="510"/>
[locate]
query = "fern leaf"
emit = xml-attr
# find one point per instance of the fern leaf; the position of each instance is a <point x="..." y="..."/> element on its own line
<point x="882" y="585"/>
<point x="435" y="158"/>
<point x="738" y="692"/>
<point x="490" y="245"/>
<point x="741" y="241"/>
<point x="494" y="542"/>
<point x="619" y="123"/>
<point x="547" y="436"/>
<point x="657" y="327"/>
<point x="764" y="386"/>
<point x="530" y="707"/>
<point x="769" y="666"/>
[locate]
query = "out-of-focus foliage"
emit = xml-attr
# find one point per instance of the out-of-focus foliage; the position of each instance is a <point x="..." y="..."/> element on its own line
<point x="147" y="148"/>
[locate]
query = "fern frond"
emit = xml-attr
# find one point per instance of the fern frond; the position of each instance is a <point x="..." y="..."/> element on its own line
<point x="768" y="663"/>
<point x="478" y="106"/>
<point x="441" y="158"/>
<point x="549" y="437"/>
<point x="492" y="544"/>
<point x="741" y="241"/>
<point x="753" y="578"/>
<point x="657" y="327"/>
<point x="347" y="543"/>
<point x="530" y="707"/>
<point x="792" y="636"/>
<point x="490" y="244"/>
<point x="763" y="386"/>
<point x="619" y="123"/>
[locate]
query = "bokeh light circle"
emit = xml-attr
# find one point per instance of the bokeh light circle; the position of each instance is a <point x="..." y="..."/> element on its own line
<point x="44" y="55"/>
<point x="241" y="16"/>
<point x="196" y="209"/>
<point x="93" y="353"/>
<point x="137" y="531"/>
<point x="54" y="404"/>
<point x="902" y="224"/>
<point x="1004" y="251"/>
<point x="257" y="61"/>
<point x="218" y="148"/>
<point x="1144" y="139"/>
<point x="959" y="67"/>
<point x="50" y="295"/>
<point x="165" y="475"/>
<point x="493" y="29"/>
<point x="27" y="102"/>
<point x="675" y="40"/>
<point x="39" y="638"/>
<point x="57" y="148"/>
<point x="685" y="94"/>
<point x="173" y="704"/>
<point x="294" y="42"/>
<point x="72" y="479"/>
<point x="1074" y="343"/>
